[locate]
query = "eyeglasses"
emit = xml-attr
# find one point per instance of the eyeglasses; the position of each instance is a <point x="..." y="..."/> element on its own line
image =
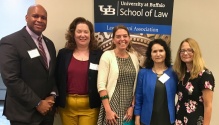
<point x="188" y="51"/>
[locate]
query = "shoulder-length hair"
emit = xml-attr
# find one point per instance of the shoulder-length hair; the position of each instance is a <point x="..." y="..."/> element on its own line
<point x="198" y="64"/>
<point x="149" y="63"/>
<point x="116" y="28"/>
<point x="71" y="43"/>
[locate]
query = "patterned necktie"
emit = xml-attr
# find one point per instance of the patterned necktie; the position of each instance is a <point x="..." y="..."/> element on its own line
<point x="42" y="51"/>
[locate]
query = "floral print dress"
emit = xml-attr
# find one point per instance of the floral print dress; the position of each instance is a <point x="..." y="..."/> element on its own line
<point x="190" y="108"/>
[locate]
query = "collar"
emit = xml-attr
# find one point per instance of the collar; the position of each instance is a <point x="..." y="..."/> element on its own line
<point x="32" y="34"/>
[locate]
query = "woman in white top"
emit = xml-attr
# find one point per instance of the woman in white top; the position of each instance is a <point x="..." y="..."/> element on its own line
<point x="117" y="74"/>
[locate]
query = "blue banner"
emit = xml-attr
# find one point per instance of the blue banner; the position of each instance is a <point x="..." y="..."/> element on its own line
<point x="145" y="19"/>
<point x="147" y="16"/>
<point x="135" y="28"/>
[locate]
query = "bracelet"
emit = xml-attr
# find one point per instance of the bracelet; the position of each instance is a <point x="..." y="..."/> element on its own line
<point x="104" y="97"/>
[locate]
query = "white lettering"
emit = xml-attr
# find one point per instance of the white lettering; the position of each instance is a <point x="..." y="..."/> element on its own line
<point x="146" y="29"/>
<point x="157" y="5"/>
<point x="107" y="10"/>
<point x="109" y="27"/>
<point x="148" y="13"/>
<point x="123" y="3"/>
<point x="129" y="12"/>
<point x="160" y="14"/>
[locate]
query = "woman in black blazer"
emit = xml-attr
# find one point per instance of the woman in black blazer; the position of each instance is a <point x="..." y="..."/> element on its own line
<point x="76" y="73"/>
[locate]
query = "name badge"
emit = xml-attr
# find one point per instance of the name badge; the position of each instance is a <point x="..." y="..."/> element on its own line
<point x="164" y="78"/>
<point x="93" y="66"/>
<point x="33" y="53"/>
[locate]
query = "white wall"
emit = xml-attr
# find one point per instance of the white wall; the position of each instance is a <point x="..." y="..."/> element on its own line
<point x="191" y="18"/>
<point x="61" y="14"/>
<point x="9" y="12"/>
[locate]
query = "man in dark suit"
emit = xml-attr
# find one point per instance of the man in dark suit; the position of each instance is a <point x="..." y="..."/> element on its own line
<point x="27" y="66"/>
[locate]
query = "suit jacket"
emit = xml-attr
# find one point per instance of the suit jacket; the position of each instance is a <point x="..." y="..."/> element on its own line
<point x="27" y="79"/>
<point x="63" y="61"/>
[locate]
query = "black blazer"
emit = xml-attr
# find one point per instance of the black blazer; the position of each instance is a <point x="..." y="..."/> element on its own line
<point x="27" y="79"/>
<point x="63" y="61"/>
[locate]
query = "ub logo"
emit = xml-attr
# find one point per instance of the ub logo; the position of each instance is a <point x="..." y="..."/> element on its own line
<point x="107" y="11"/>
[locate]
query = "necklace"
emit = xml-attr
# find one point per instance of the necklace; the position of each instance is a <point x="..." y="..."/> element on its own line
<point x="121" y="54"/>
<point x="81" y="55"/>
<point x="185" y="76"/>
<point x="160" y="73"/>
<point x="184" y="84"/>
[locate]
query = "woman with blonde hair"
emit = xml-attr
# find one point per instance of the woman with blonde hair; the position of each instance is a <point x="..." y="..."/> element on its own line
<point x="195" y="86"/>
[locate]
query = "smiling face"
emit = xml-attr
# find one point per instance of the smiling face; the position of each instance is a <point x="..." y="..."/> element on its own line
<point x="36" y="19"/>
<point x="121" y="39"/>
<point x="186" y="53"/>
<point x="82" y="35"/>
<point x="158" y="54"/>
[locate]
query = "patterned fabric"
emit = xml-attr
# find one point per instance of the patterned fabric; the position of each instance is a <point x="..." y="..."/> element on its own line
<point x="122" y="96"/>
<point x="190" y="108"/>
<point x="42" y="51"/>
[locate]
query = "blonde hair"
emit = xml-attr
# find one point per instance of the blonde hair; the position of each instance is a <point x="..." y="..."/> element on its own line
<point x="198" y="64"/>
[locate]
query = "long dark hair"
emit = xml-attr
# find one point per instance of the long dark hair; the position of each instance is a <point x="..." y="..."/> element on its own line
<point x="149" y="63"/>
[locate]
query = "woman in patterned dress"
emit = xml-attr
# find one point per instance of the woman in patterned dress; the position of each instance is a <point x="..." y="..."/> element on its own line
<point x="195" y="86"/>
<point x="117" y="74"/>
<point x="156" y="87"/>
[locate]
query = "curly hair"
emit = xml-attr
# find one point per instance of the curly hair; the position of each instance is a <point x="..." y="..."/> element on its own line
<point x="71" y="43"/>
<point x="149" y="63"/>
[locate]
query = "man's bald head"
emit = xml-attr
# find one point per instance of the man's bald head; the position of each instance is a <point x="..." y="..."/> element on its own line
<point x="36" y="18"/>
<point x="31" y="8"/>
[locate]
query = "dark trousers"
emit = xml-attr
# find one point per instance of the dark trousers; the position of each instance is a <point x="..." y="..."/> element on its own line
<point x="47" y="120"/>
